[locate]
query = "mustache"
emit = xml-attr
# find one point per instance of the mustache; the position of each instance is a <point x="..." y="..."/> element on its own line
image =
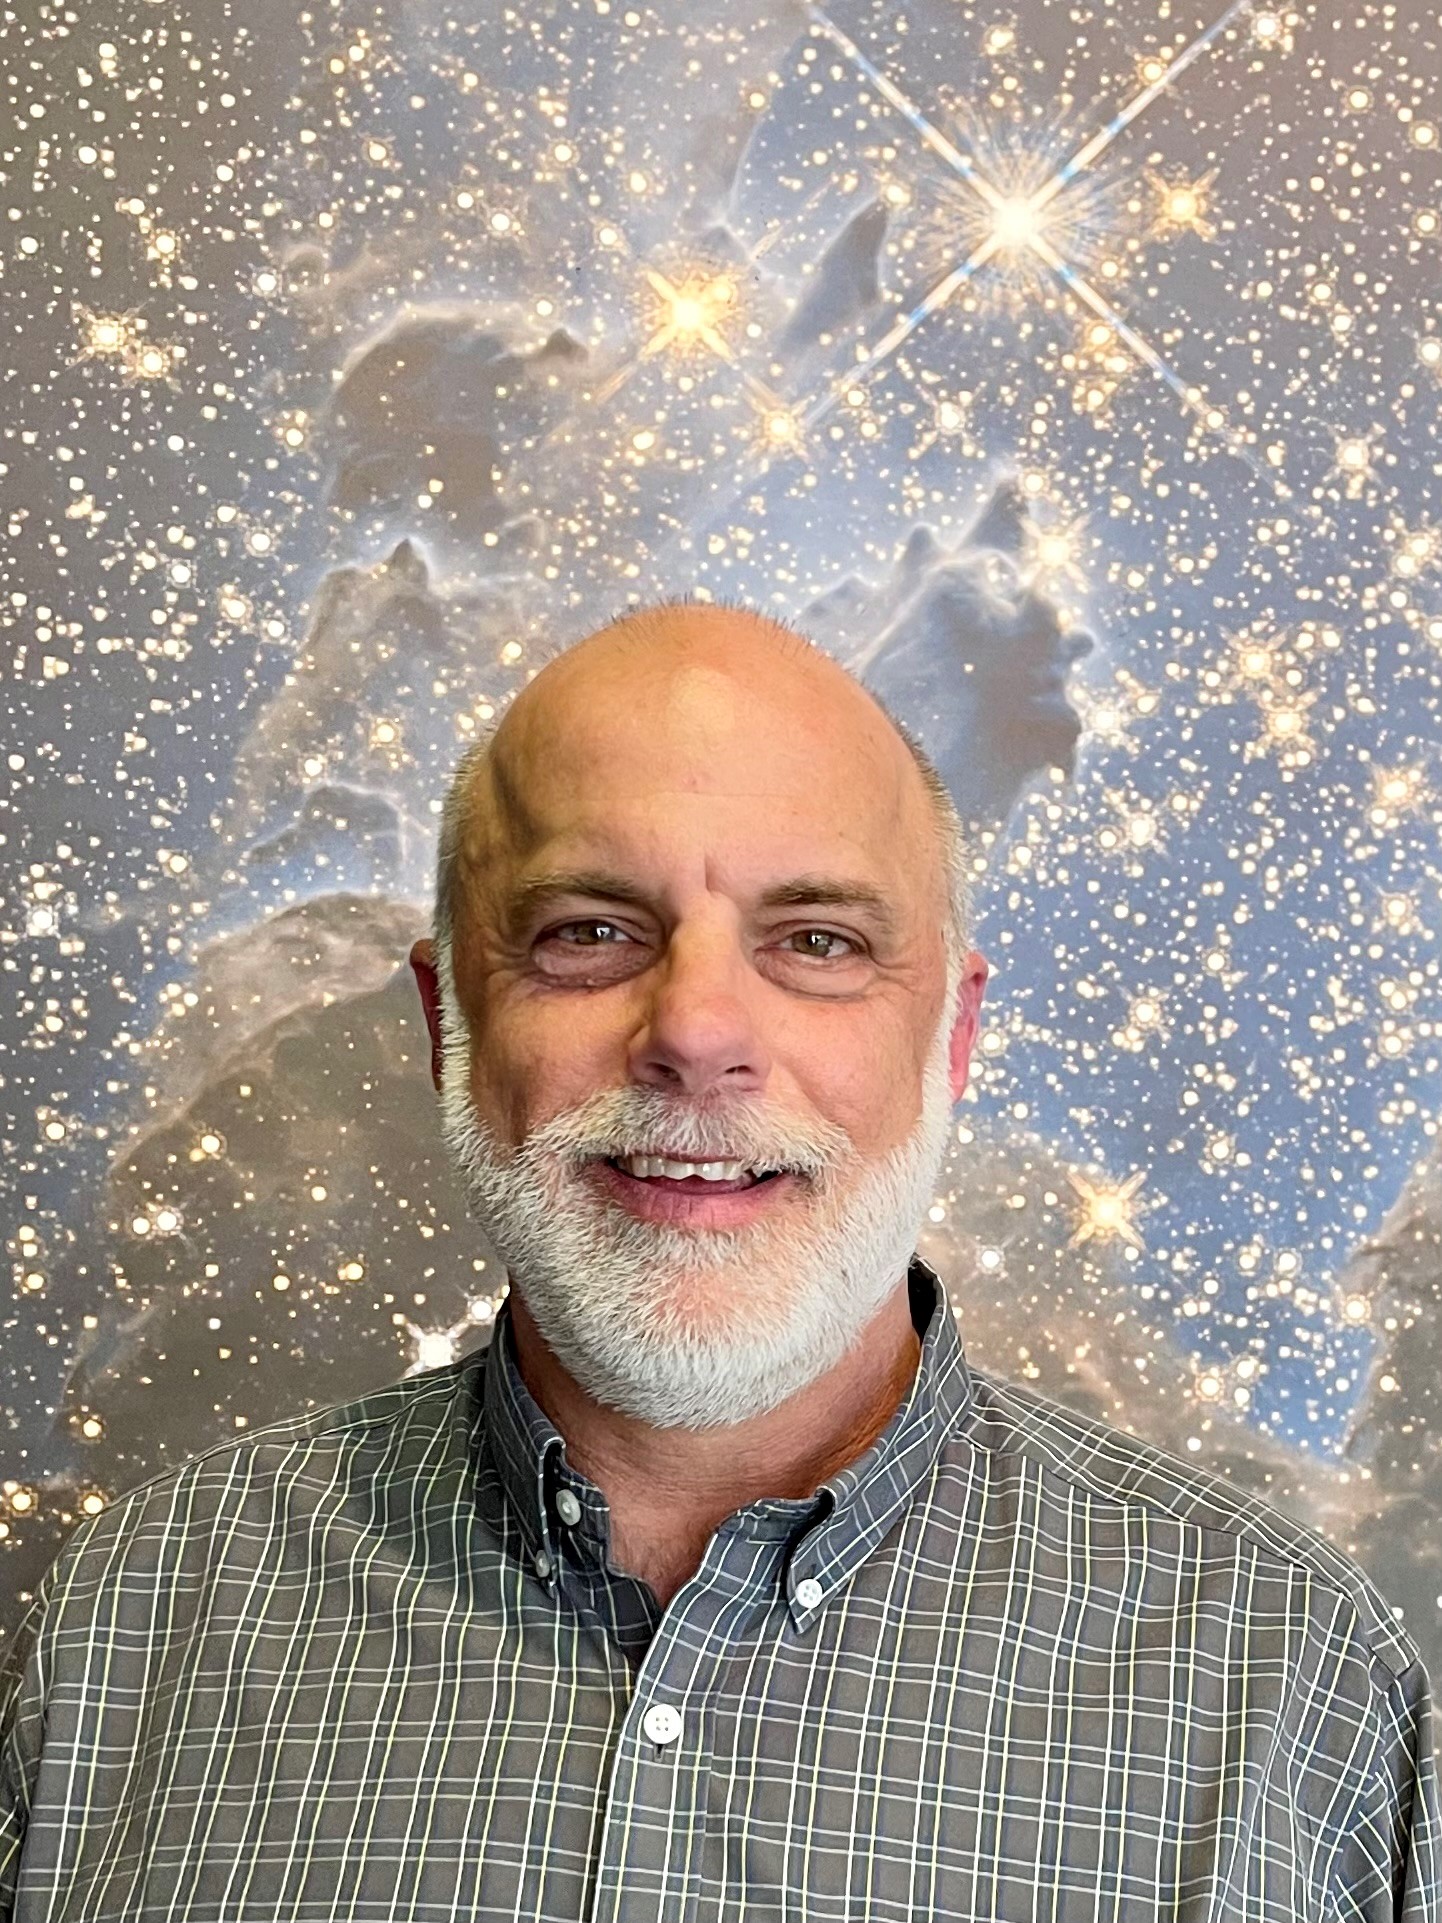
<point x="686" y="1135"/>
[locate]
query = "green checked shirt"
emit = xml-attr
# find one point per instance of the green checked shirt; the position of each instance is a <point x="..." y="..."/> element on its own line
<point x="373" y="1665"/>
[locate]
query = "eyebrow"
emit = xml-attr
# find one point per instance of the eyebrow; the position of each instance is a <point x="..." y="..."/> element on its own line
<point x="529" y="896"/>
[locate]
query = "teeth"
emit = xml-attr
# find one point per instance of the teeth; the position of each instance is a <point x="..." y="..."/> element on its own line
<point x="650" y="1166"/>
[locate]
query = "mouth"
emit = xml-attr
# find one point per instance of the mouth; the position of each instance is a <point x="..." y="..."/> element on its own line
<point x="719" y="1173"/>
<point x="720" y="1194"/>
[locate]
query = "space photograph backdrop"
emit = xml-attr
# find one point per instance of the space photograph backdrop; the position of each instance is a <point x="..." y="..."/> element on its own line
<point x="1071" y="372"/>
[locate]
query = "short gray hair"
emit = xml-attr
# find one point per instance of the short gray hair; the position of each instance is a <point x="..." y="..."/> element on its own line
<point x="951" y="838"/>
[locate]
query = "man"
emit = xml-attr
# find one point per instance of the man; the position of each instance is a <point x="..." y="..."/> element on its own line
<point x="718" y="1587"/>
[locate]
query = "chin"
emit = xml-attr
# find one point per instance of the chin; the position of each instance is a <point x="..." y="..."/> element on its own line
<point x="704" y="1309"/>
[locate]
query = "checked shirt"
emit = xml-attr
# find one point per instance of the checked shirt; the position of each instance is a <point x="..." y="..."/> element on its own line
<point x="374" y="1665"/>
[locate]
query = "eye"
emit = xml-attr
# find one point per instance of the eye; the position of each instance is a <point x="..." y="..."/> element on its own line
<point x="554" y="934"/>
<point x="595" y="932"/>
<point x="823" y="934"/>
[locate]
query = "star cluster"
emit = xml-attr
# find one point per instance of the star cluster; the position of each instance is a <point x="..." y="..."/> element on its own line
<point x="361" y="356"/>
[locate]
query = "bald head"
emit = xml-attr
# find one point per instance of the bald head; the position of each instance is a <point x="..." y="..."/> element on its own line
<point x="670" y="704"/>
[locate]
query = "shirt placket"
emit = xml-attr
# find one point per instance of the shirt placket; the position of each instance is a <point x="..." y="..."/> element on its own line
<point x="651" y="1866"/>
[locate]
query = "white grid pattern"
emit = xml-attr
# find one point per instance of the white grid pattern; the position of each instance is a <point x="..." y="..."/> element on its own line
<point x="1053" y="1675"/>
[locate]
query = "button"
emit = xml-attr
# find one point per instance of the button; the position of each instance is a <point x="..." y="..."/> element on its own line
<point x="568" y="1508"/>
<point x="809" y="1593"/>
<point x="662" y="1724"/>
<point x="543" y="1564"/>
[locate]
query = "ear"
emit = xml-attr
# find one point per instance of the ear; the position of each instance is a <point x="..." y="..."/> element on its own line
<point x="968" y="1020"/>
<point x="423" y="961"/>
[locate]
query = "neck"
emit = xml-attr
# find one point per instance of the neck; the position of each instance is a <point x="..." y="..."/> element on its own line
<point x="668" y="1489"/>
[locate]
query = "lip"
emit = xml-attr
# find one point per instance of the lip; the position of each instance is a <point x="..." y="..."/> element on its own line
<point x="683" y="1208"/>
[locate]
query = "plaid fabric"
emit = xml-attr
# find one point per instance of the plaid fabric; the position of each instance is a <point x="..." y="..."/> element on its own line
<point x="1010" y="1664"/>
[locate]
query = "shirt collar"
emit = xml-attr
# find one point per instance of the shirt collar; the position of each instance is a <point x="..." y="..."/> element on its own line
<point x="832" y="1531"/>
<point x="866" y="1498"/>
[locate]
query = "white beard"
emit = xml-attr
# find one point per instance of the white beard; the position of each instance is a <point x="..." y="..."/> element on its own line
<point x="695" y="1328"/>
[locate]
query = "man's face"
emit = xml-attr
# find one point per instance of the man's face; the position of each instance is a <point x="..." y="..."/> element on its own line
<point x="634" y="984"/>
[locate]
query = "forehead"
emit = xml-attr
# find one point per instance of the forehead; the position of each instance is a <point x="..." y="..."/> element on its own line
<point x="697" y="761"/>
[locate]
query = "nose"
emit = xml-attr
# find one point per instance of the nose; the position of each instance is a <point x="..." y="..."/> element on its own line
<point x="700" y="1032"/>
<point x="1079" y="644"/>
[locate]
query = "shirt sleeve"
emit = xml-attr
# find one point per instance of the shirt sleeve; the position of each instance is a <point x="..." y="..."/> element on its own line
<point x="1389" y="1863"/>
<point x="22" y="1715"/>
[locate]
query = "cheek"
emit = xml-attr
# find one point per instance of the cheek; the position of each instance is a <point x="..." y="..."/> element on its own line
<point x="536" y="1063"/>
<point x="871" y="1097"/>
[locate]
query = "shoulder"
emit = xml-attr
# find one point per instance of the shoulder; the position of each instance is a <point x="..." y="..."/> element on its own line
<point x="1150" y="1488"/>
<point x="406" y="1436"/>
